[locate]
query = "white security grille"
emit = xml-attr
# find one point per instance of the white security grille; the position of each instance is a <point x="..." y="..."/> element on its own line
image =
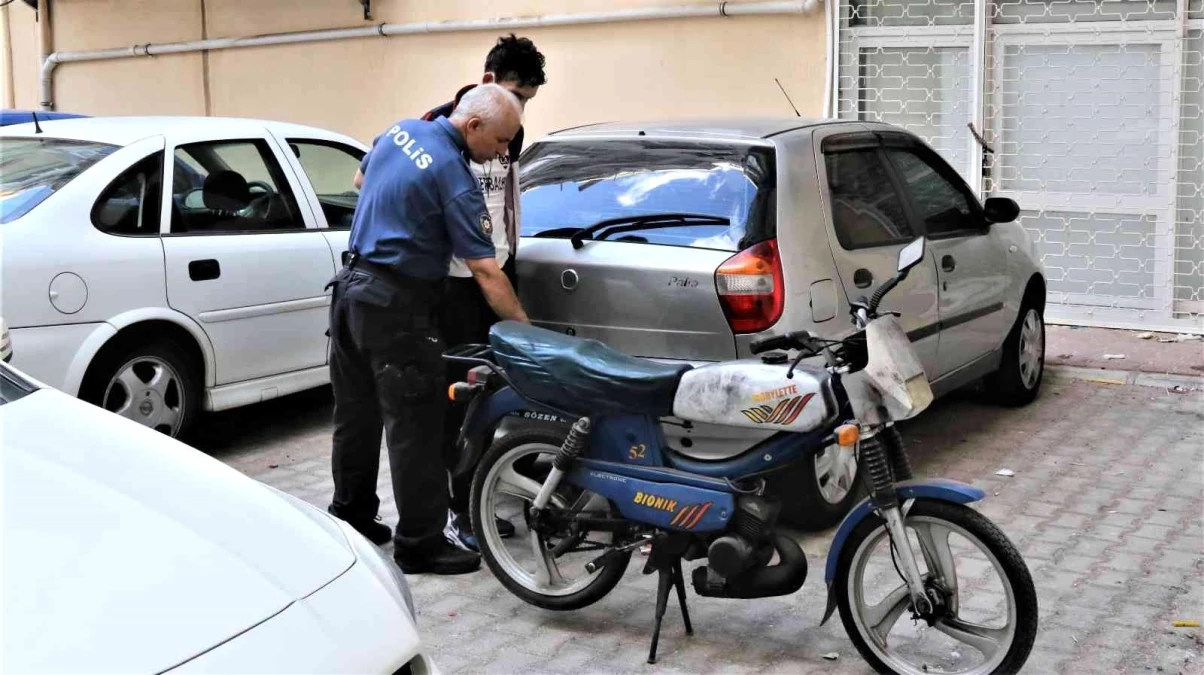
<point x="1094" y="110"/>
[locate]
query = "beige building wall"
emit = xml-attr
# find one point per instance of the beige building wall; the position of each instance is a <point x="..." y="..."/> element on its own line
<point x="647" y="69"/>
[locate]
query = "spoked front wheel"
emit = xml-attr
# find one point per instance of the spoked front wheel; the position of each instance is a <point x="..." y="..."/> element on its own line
<point x="546" y="569"/>
<point x="985" y="618"/>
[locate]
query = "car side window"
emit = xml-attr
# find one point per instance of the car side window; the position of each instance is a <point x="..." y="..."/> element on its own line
<point x="131" y="204"/>
<point x="331" y="169"/>
<point x="231" y="186"/>
<point x="943" y="206"/>
<point x="866" y="209"/>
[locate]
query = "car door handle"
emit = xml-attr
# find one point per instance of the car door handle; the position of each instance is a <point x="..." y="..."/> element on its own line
<point x="862" y="278"/>
<point x="948" y="263"/>
<point x="204" y="270"/>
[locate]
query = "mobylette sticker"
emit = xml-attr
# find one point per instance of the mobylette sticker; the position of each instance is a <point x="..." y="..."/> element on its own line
<point x="784" y="413"/>
<point x="774" y="394"/>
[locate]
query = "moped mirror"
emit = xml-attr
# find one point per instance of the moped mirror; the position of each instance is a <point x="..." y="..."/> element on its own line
<point x="911" y="255"/>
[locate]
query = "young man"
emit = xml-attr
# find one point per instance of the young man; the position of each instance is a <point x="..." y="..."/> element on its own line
<point x="465" y="317"/>
<point x="419" y="205"/>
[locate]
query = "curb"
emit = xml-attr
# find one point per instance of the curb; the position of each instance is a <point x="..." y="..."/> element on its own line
<point x="1128" y="377"/>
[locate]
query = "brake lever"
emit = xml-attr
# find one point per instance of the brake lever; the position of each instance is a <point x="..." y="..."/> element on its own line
<point x="794" y="364"/>
<point x="806" y="351"/>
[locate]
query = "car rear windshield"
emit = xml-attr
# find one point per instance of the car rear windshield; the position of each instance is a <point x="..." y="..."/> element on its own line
<point x="575" y="184"/>
<point x="32" y="169"/>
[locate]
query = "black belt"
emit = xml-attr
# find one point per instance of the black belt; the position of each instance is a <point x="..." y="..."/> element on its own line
<point x="400" y="282"/>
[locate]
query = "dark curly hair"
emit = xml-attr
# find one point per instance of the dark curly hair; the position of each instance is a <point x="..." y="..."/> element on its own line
<point x="515" y="58"/>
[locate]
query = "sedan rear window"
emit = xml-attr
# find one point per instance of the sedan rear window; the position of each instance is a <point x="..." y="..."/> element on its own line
<point x="32" y="169"/>
<point x="570" y="185"/>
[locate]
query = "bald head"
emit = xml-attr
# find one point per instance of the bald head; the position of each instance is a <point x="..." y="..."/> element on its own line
<point x="489" y="117"/>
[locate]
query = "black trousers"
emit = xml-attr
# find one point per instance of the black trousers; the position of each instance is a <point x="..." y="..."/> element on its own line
<point x="387" y="372"/>
<point x="464" y="317"/>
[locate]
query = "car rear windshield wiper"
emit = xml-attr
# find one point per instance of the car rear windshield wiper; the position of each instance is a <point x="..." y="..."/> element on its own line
<point x="647" y="221"/>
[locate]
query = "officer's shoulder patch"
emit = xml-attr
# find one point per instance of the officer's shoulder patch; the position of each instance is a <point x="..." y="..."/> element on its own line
<point x="486" y="224"/>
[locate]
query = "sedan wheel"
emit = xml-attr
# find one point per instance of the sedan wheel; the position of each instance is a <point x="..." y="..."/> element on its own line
<point x="835" y="471"/>
<point x="147" y="390"/>
<point x="1032" y="349"/>
<point x="154" y="385"/>
<point x="817" y="495"/>
<point x="1022" y="363"/>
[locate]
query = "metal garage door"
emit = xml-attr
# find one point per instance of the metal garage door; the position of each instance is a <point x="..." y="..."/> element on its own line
<point x="1094" y="113"/>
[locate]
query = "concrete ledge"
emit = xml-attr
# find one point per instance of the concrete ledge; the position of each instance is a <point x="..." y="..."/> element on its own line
<point x="1126" y="377"/>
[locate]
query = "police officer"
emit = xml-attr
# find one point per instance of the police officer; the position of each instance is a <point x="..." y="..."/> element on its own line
<point x="419" y="204"/>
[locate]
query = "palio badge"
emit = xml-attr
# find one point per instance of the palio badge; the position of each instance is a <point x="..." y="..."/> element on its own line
<point x="784" y="413"/>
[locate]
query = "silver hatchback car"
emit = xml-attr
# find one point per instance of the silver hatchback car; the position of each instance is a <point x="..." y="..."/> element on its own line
<point x="685" y="241"/>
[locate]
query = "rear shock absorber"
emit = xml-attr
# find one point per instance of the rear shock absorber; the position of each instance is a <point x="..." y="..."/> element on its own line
<point x="573" y="446"/>
<point x="899" y="461"/>
<point x="877" y="467"/>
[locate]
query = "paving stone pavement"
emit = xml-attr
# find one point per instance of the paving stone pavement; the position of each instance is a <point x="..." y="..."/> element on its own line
<point x="1106" y="506"/>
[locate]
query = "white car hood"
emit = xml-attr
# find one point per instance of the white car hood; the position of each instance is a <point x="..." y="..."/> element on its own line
<point x="127" y="551"/>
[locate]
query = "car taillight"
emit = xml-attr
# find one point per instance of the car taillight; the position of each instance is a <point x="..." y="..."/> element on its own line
<point x="751" y="289"/>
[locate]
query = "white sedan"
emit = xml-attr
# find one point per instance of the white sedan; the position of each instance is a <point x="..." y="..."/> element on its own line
<point x="127" y="551"/>
<point x="160" y="267"/>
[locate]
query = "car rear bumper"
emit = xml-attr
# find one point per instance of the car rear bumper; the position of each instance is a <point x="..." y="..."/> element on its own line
<point x="48" y="353"/>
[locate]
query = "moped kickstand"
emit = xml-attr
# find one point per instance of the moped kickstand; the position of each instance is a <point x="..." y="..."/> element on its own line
<point x="665" y="559"/>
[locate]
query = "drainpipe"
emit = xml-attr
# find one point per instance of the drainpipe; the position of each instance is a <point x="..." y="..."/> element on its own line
<point x="45" y="46"/>
<point x="712" y="9"/>
<point x="832" y="76"/>
<point x="6" y="36"/>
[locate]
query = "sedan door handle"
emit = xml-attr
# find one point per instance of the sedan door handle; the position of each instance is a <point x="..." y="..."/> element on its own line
<point x="948" y="263"/>
<point x="204" y="270"/>
<point x="862" y="278"/>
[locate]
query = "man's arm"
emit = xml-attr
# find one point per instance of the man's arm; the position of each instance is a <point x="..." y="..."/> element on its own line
<point x="359" y="179"/>
<point x="497" y="289"/>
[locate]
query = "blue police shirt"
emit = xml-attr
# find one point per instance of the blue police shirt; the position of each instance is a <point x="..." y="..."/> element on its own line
<point x="420" y="202"/>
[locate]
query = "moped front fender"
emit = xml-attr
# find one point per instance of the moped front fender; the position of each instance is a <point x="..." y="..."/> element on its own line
<point x="938" y="489"/>
<point x="485" y="413"/>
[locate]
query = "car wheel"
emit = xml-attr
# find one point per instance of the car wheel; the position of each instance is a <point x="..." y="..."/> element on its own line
<point x="154" y="385"/>
<point x="1018" y="379"/>
<point x="829" y="489"/>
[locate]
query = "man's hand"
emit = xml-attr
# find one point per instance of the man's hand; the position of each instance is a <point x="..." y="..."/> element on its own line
<point x="497" y="289"/>
<point x="359" y="179"/>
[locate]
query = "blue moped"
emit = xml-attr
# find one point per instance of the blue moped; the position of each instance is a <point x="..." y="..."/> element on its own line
<point x="584" y="500"/>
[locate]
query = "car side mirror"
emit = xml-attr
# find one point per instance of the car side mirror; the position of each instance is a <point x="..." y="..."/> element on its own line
<point x="911" y="255"/>
<point x="1000" y="210"/>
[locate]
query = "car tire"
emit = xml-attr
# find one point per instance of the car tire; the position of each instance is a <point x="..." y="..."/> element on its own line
<point x="156" y="385"/>
<point x="1022" y="366"/>
<point x="823" y="499"/>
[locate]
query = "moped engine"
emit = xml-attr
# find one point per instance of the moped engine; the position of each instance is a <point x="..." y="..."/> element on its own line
<point x="738" y="562"/>
<point x="747" y="546"/>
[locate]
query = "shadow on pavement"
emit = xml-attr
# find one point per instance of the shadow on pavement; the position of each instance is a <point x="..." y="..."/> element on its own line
<point x="291" y="418"/>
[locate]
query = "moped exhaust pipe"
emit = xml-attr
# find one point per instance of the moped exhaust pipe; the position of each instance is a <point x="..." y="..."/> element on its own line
<point x="783" y="578"/>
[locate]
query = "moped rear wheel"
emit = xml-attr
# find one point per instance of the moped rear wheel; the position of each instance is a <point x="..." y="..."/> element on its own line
<point x="506" y="483"/>
<point x="986" y="619"/>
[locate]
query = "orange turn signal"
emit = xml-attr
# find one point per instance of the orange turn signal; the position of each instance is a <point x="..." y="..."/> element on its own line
<point x="847" y="434"/>
<point x="451" y="392"/>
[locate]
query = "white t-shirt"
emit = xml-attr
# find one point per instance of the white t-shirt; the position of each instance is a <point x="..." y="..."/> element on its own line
<point x="496" y="177"/>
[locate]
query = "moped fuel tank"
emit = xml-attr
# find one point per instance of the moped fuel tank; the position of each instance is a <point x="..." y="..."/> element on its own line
<point x="754" y="395"/>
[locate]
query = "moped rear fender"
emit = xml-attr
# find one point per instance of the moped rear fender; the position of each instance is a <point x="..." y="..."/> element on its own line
<point x="937" y="489"/>
<point x="485" y="413"/>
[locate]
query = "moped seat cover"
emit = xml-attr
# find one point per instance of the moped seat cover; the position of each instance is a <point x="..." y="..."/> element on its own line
<point x="582" y="376"/>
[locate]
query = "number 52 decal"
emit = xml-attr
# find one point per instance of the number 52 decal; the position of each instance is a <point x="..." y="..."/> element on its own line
<point x="637" y="451"/>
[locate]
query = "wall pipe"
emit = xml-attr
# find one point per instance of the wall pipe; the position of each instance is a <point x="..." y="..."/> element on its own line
<point x="10" y="93"/>
<point x="712" y="9"/>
